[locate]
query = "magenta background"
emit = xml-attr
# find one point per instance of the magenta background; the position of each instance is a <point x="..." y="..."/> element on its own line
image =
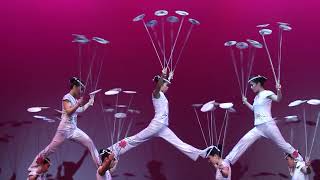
<point x="37" y="58"/>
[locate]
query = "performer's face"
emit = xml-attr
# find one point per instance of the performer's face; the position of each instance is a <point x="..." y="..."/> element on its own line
<point x="255" y="86"/>
<point x="45" y="167"/>
<point x="77" y="90"/>
<point x="291" y="163"/>
<point x="164" y="87"/>
<point x="213" y="159"/>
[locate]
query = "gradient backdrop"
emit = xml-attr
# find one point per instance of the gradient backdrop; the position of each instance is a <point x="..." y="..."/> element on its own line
<point x="37" y="59"/>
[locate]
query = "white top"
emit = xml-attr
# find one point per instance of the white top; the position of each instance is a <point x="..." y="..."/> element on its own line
<point x="262" y="107"/>
<point x="297" y="173"/>
<point x="161" y="108"/>
<point x="107" y="176"/>
<point x="66" y="119"/>
<point x="39" y="176"/>
<point x="219" y="175"/>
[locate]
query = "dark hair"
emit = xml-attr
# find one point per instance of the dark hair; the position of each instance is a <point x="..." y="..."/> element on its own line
<point x="75" y="82"/>
<point x="288" y="156"/>
<point x="104" y="153"/>
<point x="46" y="161"/>
<point x="258" y="79"/>
<point x="215" y="151"/>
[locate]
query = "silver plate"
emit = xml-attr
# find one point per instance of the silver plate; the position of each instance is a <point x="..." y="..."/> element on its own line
<point x="152" y="23"/>
<point x="120" y="115"/>
<point x="264" y="32"/>
<point x="242" y="45"/>
<point x="314" y="102"/>
<point x="182" y="13"/>
<point x="262" y="25"/>
<point x="226" y="105"/>
<point x="194" y="21"/>
<point x="173" y="19"/>
<point x="95" y="92"/>
<point x="254" y="43"/>
<point x="139" y="18"/>
<point x="285" y="27"/>
<point x="161" y="13"/>
<point x="230" y="43"/>
<point x="100" y="40"/>
<point x="296" y="103"/>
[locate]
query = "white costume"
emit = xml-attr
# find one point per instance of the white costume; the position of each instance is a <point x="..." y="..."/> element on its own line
<point x="299" y="172"/>
<point x="219" y="175"/>
<point x="68" y="129"/>
<point x="39" y="176"/>
<point x="265" y="126"/>
<point x="158" y="127"/>
<point x="107" y="176"/>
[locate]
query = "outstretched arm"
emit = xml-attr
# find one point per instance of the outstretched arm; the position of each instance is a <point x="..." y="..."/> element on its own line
<point x="87" y="105"/>
<point x="277" y="97"/>
<point x="69" y="109"/>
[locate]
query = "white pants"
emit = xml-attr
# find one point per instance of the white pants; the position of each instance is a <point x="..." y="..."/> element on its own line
<point x="268" y="130"/>
<point x="71" y="133"/>
<point x="156" y="129"/>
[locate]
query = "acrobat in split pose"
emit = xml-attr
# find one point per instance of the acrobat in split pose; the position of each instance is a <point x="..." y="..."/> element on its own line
<point x="67" y="129"/>
<point x="265" y="125"/>
<point x="158" y="126"/>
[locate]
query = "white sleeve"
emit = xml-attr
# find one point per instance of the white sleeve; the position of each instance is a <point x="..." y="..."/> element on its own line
<point x="66" y="97"/>
<point x="267" y="93"/>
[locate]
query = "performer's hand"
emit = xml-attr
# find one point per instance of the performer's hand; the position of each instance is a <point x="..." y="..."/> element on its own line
<point x="308" y="163"/>
<point x="80" y="101"/>
<point x="278" y="87"/>
<point x="244" y="100"/>
<point x="111" y="156"/>
<point x="91" y="100"/>
<point x="164" y="72"/>
<point x="171" y="75"/>
<point x="220" y="166"/>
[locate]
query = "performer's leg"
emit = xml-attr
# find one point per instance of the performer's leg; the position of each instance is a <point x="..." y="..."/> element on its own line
<point x="272" y="132"/>
<point x="185" y="148"/>
<point x="82" y="138"/>
<point x="57" y="140"/>
<point x="245" y="142"/>
<point x="130" y="142"/>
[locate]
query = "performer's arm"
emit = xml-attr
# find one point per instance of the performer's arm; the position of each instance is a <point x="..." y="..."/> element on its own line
<point x="245" y="101"/>
<point x="105" y="165"/>
<point x="87" y="105"/>
<point x="115" y="163"/>
<point x="156" y="91"/>
<point x="69" y="109"/>
<point x="224" y="170"/>
<point x="277" y="97"/>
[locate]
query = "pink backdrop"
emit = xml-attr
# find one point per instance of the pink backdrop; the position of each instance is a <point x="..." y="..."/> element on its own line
<point x="37" y="59"/>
